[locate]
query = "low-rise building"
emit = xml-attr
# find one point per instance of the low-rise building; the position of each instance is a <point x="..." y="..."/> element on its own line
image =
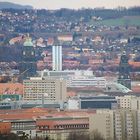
<point x="42" y="122"/>
<point x="93" y="102"/>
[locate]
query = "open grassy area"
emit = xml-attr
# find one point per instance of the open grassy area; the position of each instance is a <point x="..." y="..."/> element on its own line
<point x="119" y="21"/>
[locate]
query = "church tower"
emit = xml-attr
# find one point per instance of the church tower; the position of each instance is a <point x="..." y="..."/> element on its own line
<point x="28" y="64"/>
<point x="124" y="69"/>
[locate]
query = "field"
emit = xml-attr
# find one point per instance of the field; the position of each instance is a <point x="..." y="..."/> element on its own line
<point x="119" y="21"/>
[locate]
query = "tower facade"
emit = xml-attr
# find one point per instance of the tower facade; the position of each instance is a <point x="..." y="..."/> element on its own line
<point x="28" y="64"/>
<point x="124" y="69"/>
<point x="57" y="58"/>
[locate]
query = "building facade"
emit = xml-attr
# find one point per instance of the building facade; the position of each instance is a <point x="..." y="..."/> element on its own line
<point x="102" y="122"/>
<point x="47" y="89"/>
<point x="116" y="124"/>
<point x="128" y="102"/>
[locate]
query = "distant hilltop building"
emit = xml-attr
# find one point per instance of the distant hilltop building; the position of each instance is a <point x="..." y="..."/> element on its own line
<point x="124" y="69"/>
<point x="28" y="64"/>
<point x="65" y="38"/>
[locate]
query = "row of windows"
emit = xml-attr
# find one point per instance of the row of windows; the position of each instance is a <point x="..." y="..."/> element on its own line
<point x="39" y="82"/>
<point x="70" y="126"/>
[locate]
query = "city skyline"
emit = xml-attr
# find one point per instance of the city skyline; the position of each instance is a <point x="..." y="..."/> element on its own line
<point x="53" y="4"/>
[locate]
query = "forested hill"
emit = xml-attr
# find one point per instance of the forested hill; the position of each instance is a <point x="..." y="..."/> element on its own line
<point x="9" y="5"/>
<point x="103" y="13"/>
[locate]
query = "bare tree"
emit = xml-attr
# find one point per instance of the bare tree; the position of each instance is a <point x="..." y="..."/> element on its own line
<point x="78" y="136"/>
<point x="95" y="135"/>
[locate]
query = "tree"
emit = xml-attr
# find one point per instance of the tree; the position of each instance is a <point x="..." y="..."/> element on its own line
<point x="10" y="136"/>
<point x="39" y="138"/>
<point x="78" y="135"/>
<point x="24" y="136"/>
<point x="95" y="135"/>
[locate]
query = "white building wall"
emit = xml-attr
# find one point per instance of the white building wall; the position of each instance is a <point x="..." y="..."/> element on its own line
<point x="31" y="133"/>
<point x="73" y="104"/>
<point x="83" y="81"/>
<point x="57" y="58"/>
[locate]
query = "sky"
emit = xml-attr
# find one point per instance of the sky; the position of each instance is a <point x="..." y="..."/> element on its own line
<point x="76" y="4"/>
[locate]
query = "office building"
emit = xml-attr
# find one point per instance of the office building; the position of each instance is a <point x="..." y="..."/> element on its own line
<point x="57" y="58"/>
<point x="77" y="78"/>
<point x="48" y="89"/>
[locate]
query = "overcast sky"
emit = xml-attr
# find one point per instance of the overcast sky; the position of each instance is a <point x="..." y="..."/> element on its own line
<point x="75" y="4"/>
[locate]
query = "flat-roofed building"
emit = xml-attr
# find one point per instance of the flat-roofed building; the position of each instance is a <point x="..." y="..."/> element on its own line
<point x="93" y="102"/>
<point x="77" y="78"/>
<point x="49" y="89"/>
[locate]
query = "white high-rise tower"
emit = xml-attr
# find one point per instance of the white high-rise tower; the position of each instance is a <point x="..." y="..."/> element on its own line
<point x="57" y="58"/>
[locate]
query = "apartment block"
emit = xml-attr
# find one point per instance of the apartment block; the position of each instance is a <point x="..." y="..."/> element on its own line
<point x="125" y="124"/>
<point x="116" y="124"/>
<point x="138" y="124"/>
<point x="128" y="102"/>
<point x="102" y="122"/>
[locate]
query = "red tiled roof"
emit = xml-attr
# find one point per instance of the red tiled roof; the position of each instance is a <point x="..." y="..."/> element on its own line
<point x="11" y="88"/>
<point x="5" y="127"/>
<point x="39" y="112"/>
<point x="136" y="89"/>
